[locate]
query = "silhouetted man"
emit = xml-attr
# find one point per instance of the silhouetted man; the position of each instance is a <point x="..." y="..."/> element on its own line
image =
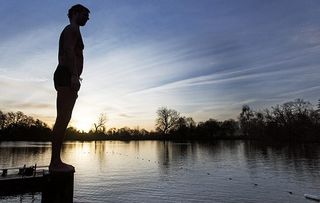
<point x="67" y="80"/>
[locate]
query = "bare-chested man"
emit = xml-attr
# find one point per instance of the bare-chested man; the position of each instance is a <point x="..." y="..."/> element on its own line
<point x="67" y="81"/>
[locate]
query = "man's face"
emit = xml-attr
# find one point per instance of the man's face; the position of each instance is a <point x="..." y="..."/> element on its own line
<point x="82" y="18"/>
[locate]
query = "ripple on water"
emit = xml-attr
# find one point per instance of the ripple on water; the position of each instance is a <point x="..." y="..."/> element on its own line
<point x="151" y="171"/>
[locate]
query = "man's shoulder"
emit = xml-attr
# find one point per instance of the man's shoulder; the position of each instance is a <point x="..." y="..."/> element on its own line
<point x="70" y="29"/>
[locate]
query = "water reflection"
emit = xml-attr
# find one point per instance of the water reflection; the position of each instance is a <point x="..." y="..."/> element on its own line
<point x="20" y="153"/>
<point x="221" y="171"/>
<point x="300" y="160"/>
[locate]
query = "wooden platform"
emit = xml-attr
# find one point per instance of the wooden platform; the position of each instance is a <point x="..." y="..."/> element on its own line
<point x="55" y="187"/>
<point x="16" y="180"/>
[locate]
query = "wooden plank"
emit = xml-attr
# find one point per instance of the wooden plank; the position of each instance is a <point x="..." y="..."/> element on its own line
<point x="16" y="168"/>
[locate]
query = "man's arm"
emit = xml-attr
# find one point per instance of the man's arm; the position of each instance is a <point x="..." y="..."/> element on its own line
<point x="69" y="43"/>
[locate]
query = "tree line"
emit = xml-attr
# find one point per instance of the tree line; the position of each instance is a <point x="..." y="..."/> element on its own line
<point x="18" y="126"/>
<point x="292" y="121"/>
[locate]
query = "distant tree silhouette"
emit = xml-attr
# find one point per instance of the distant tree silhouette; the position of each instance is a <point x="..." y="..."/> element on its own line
<point x="185" y="128"/>
<point x="18" y="126"/>
<point x="229" y="128"/>
<point x="294" y="121"/>
<point x="100" y="126"/>
<point x="245" y="119"/>
<point x="167" y="120"/>
<point x="209" y="128"/>
<point x="2" y="120"/>
<point x="111" y="131"/>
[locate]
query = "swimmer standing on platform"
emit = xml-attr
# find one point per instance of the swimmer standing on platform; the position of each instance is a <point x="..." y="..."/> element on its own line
<point x="67" y="81"/>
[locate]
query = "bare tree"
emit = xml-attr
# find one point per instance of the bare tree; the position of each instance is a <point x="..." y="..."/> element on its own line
<point x="245" y="117"/>
<point x="167" y="120"/>
<point x="100" y="126"/>
<point x="18" y="118"/>
<point x="190" y="122"/>
<point x="2" y="120"/>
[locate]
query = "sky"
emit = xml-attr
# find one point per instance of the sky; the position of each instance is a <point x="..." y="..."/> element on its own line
<point x="204" y="59"/>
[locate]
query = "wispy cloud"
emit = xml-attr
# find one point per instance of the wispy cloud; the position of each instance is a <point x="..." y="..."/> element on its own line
<point x="205" y="59"/>
<point x="14" y="104"/>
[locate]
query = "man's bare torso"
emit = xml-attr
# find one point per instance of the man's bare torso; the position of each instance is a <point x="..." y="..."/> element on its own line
<point x="71" y="50"/>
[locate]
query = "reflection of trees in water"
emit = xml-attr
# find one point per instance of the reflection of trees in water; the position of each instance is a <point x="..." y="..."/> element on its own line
<point x="302" y="158"/>
<point x="257" y="158"/>
<point x="173" y="155"/>
<point x="136" y="146"/>
<point x="100" y="151"/>
<point x="95" y="147"/>
<point x="164" y="156"/>
<point x="93" y="151"/>
<point x="170" y="152"/>
<point x="218" y="147"/>
<point x="12" y="156"/>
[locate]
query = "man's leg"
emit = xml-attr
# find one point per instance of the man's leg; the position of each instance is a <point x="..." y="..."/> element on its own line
<point x="66" y="99"/>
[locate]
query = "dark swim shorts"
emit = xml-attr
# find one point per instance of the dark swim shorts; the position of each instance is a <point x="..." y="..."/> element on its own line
<point x="62" y="77"/>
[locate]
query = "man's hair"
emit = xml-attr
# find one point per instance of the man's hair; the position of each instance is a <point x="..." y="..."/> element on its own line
<point x="76" y="9"/>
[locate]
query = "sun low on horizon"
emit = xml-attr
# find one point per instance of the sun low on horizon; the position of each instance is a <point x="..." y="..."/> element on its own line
<point x="205" y="59"/>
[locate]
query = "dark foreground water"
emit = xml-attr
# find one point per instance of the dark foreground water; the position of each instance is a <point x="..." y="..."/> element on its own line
<point x="156" y="171"/>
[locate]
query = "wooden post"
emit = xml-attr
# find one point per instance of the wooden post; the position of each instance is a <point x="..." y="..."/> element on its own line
<point x="59" y="187"/>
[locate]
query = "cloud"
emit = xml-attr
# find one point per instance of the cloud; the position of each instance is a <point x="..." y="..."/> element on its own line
<point x="14" y="104"/>
<point x="125" y="115"/>
<point x="243" y="75"/>
<point x="205" y="59"/>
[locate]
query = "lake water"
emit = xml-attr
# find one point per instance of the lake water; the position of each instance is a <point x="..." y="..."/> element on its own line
<point x="156" y="171"/>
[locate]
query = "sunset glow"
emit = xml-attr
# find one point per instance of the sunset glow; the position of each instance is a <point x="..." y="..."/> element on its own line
<point x="203" y="58"/>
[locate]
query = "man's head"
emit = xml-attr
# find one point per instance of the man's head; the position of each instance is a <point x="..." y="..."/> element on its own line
<point x="79" y="14"/>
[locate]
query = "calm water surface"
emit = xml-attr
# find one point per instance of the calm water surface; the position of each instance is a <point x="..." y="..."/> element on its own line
<point x="156" y="171"/>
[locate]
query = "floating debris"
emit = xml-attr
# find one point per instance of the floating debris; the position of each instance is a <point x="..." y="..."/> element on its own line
<point x="312" y="197"/>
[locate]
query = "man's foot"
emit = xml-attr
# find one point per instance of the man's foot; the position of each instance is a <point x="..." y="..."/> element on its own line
<point x="61" y="167"/>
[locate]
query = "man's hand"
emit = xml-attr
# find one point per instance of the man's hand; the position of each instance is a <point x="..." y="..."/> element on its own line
<point x="75" y="83"/>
